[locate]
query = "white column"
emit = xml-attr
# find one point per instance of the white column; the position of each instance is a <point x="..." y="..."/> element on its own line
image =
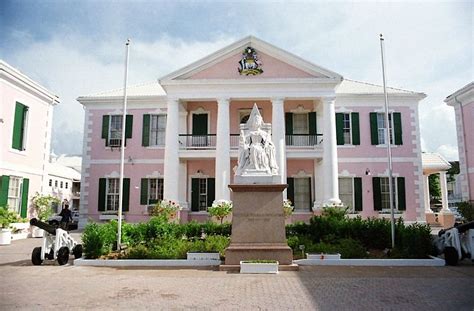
<point x="426" y="185"/>
<point x="171" y="166"/>
<point x="278" y="137"/>
<point x="223" y="150"/>
<point x="331" y="193"/>
<point x="444" y="192"/>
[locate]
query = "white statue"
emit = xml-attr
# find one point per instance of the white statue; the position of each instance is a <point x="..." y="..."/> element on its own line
<point x="256" y="149"/>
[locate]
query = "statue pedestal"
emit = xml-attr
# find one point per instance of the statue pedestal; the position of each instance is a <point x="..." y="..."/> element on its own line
<point x="258" y="224"/>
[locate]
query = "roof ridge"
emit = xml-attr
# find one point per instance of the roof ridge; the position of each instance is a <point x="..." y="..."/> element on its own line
<point x="129" y="86"/>
<point x="372" y="84"/>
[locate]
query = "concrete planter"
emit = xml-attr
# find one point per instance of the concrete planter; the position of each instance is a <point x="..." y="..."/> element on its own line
<point x="258" y="268"/>
<point x="110" y="217"/>
<point x="433" y="262"/>
<point x="177" y="263"/>
<point x="36" y="232"/>
<point x="323" y="256"/>
<point x="5" y="236"/>
<point x="20" y="230"/>
<point x="203" y="256"/>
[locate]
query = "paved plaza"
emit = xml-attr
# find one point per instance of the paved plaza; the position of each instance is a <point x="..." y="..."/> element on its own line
<point x="23" y="286"/>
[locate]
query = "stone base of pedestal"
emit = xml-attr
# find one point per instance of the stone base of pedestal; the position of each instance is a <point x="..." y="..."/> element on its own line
<point x="446" y="219"/>
<point x="236" y="253"/>
<point x="258" y="225"/>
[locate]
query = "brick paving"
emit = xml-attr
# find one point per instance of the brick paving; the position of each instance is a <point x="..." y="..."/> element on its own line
<point x="23" y="286"/>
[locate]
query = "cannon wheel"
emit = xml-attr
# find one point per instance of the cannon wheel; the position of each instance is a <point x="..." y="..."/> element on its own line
<point x="63" y="255"/>
<point x="451" y="256"/>
<point x="77" y="251"/>
<point x="36" y="256"/>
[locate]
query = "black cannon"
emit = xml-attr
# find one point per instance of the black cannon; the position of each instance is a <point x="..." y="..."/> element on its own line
<point x="57" y="244"/>
<point x="456" y="243"/>
<point x="42" y="225"/>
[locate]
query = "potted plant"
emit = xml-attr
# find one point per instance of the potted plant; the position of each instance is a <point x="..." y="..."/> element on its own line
<point x="220" y="210"/>
<point x="7" y="217"/>
<point x="259" y="266"/>
<point x="44" y="211"/>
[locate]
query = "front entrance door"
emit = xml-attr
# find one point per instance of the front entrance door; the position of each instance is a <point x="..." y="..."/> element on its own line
<point x="199" y="138"/>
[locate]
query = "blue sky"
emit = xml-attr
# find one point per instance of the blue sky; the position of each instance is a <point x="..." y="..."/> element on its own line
<point x="77" y="47"/>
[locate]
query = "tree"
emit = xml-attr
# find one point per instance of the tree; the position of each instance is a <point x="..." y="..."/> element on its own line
<point x="435" y="188"/>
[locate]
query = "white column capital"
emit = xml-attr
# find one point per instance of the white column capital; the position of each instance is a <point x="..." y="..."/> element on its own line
<point x="223" y="101"/>
<point x="172" y="100"/>
<point x="328" y="99"/>
<point x="278" y="100"/>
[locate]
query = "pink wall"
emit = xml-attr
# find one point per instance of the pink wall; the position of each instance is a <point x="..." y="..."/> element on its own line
<point x="265" y="110"/>
<point x="211" y="107"/>
<point x="366" y="149"/>
<point x="134" y="146"/>
<point x="468" y="122"/>
<point x="272" y="68"/>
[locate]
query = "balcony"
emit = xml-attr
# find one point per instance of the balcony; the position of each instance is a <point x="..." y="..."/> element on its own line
<point x="208" y="142"/>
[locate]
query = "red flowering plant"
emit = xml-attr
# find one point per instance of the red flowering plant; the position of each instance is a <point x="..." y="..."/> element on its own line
<point x="167" y="209"/>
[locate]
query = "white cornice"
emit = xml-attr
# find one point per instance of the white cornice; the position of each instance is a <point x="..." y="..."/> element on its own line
<point x="14" y="75"/>
<point x="464" y="95"/>
<point x="259" y="45"/>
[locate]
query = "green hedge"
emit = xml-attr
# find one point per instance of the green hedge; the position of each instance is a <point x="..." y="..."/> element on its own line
<point x="162" y="239"/>
<point x="413" y="241"/>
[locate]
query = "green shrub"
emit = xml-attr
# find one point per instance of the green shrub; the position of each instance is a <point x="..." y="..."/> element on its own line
<point x="92" y="241"/>
<point x="413" y="241"/>
<point x="7" y="217"/>
<point x="466" y="209"/>
<point x="350" y="248"/>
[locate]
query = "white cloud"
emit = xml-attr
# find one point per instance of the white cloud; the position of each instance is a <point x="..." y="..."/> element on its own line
<point x="450" y="152"/>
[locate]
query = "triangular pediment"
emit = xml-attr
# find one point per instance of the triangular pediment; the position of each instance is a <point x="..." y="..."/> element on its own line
<point x="273" y="63"/>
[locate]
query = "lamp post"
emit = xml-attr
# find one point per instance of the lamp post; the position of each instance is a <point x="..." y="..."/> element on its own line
<point x="122" y="147"/>
<point x="388" y="143"/>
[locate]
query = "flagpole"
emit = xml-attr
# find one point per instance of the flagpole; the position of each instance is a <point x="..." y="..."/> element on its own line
<point x="122" y="147"/>
<point x="388" y="143"/>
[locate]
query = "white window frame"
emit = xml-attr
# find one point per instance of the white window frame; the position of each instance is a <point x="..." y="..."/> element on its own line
<point x="203" y="181"/>
<point x="114" y="141"/>
<point x="347" y="130"/>
<point x="305" y="207"/>
<point x="157" y="131"/>
<point x="385" y="195"/>
<point x="16" y="197"/>
<point x="114" y="196"/>
<point x="352" y="205"/>
<point x="381" y="127"/>
<point x="157" y="193"/>
<point x="305" y="131"/>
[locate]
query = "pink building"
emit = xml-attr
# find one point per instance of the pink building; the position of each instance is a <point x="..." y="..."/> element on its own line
<point x="26" y="113"/>
<point x="182" y="136"/>
<point x="463" y="102"/>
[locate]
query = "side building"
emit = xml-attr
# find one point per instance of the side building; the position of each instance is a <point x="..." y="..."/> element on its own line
<point x="463" y="102"/>
<point x="182" y="137"/>
<point x="26" y="113"/>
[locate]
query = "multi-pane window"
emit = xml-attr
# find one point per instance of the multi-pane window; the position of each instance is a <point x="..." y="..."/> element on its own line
<point x="346" y="191"/>
<point x="202" y="194"/>
<point x="347" y="128"/>
<point x="50" y="183"/>
<point x="385" y="193"/>
<point x="155" y="190"/>
<point x="382" y="127"/>
<point x="300" y="123"/>
<point x="61" y="185"/>
<point x="302" y="194"/>
<point x="115" y="130"/>
<point x="56" y="183"/>
<point x="157" y="130"/>
<point x="14" y="194"/>
<point x="67" y="185"/>
<point x="112" y="194"/>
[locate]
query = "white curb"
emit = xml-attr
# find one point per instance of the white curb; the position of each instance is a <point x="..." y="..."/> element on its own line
<point x="433" y="262"/>
<point x="145" y="262"/>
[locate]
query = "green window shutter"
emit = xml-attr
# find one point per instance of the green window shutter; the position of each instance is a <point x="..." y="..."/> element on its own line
<point x="19" y="126"/>
<point x="290" y="191"/>
<point x="128" y="126"/>
<point x="355" y="128"/>
<point x="144" y="191"/>
<point x="24" y="197"/>
<point x="4" y="183"/>
<point x="102" y="189"/>
<point x="126" y="194"/>
<point x="397" y="124"/>
<point x="401" y="194"/>
<point x="313" y="128"/>
<point x="357" y="193"/>
<point x="146" y="130"/>
<point x="374" y="131"/>
<point x="211" y="191"/>
<point x="376" y="193"/>
<point x="105" y="128"/>
<point x="340" y="128"/>
<point x="288" y="123"/>
<point x="194" y="194"/>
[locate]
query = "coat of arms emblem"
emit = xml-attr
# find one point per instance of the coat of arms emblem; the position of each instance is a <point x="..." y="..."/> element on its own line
<point x="250" y="64"/>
